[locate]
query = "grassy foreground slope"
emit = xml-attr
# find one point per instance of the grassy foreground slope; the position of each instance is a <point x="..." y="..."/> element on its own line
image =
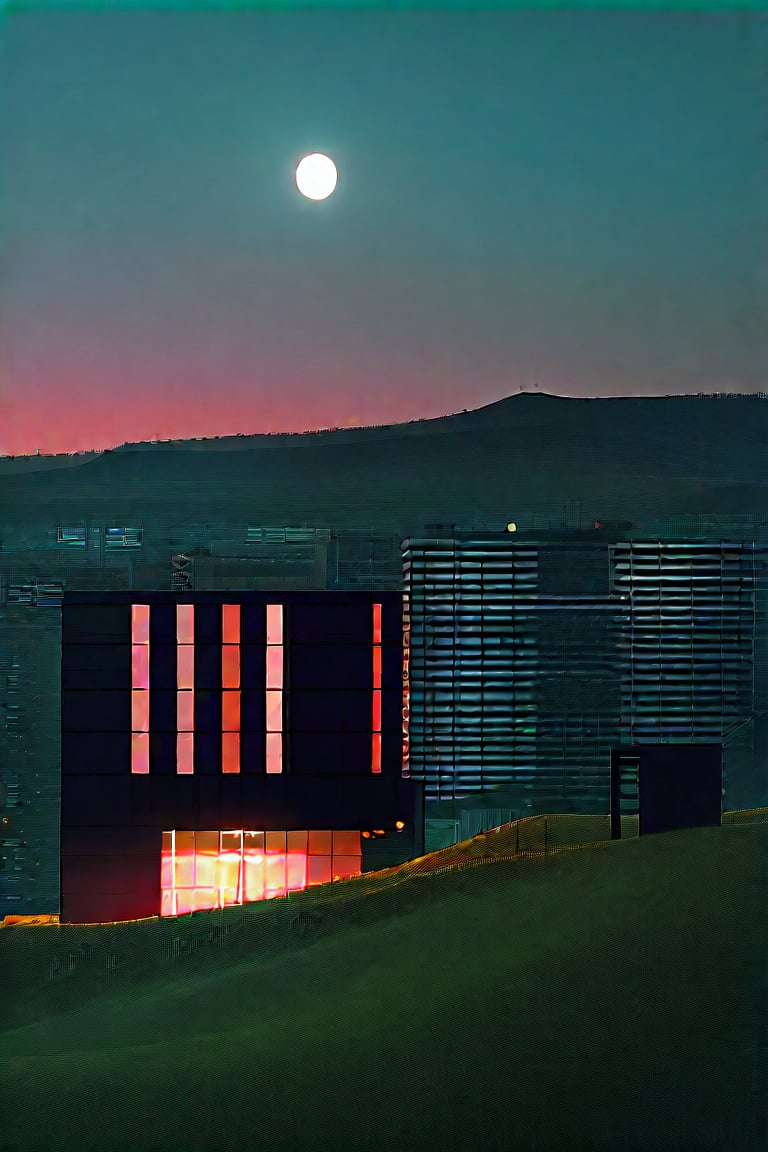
<point x="611" y="998"/>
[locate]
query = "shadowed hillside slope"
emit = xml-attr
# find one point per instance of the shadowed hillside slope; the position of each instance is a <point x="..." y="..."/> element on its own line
<point x="642" y="456"/>
<point x="612" y="997"/>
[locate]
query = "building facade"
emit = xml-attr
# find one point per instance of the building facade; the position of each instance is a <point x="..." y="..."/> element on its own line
<point x="225" y="747"/>
<point x="529" y="658"/>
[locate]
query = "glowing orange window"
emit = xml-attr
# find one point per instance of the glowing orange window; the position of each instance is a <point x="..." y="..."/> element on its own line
<point x="185" y="753"/>
<point x="230" y="666"/>
<point x="140" y="752"/>
<point x="140" y="623"/>
<point x="230" y="623"/>
<point x="230" y="711"/>
<point x="274" y="752"/>
<point x="230" y="752"/>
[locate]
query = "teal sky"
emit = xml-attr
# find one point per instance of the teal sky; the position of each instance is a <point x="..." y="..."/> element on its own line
<point x="575" y="200"/>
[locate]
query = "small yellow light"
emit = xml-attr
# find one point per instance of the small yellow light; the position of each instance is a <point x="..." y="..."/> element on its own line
<point x="512" y="527"/>
<point x="399" y="824"/>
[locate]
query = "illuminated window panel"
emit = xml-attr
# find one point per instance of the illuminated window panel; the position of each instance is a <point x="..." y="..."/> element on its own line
<point x="319" y="870"/>
<point x="185" y="753"/>
<point x="139" y="710"/>
<point x="230" y="711"/>
<point x="274" y="843"/>
<point x="140" y="666"/>
<point x="274" y="711"/>
<point x="230" y="666"/>
<point x="346" y="843"/>
<point x="296" y="871"/>
<point x="185" y="667"/>
<point x="184" y="869"/>
<point x="296" y="842"/>
<point x="140" y="753"/>
<point x="185" y="711"/>
<point x="274" y="624"/>
<point x="275" y="667"/>
<point x="376" y="703"/>
<point x="185" y="624"/>
<point x="140" y="623"/>
<point x="320" y="842"/>
<point x="210" y="869"/>
<point x="230" y="752"/>
<point x="342" y="867"/>
<point x="230" y="623"/>
<point x="274" y="752"/>
<point x="275" y="881"/>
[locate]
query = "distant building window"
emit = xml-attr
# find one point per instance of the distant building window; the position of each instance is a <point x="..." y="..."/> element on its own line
<point x="274" y="689"/>
<point x="72" y="537"/>
<point x="123" y="537"/>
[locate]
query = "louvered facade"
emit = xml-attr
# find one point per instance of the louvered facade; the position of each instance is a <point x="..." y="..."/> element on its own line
<point x="528" y="660"/>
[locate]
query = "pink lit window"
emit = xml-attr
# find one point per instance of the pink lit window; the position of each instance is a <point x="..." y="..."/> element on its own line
<point x="230" y="623"/>
<point x="274" y="623"/>
<point x="230" y="666"/>
<point x="212" y="869"/>
<point x="275" y="666"/>
<point x="274" y="752"/>
<point x="185" y="753"/>
<point x="139" y="710"/>
<point x="274" y="711"/>
<point x="230" y="752"/>
<point x="185" y="623"/>
<point x="140" y="623"/>
<point x="140" y="665"/>
<point x="185" y="711"/>
<point x="230" y="711"/>
<point x="140" y="753"/>
<point x="185" y="667"/>
<point x="376" y="709"/>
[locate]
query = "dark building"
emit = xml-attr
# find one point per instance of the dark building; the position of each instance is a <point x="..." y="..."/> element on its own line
<point x="224" y="747"/>
<point x="530" y="658"/>
<point x="665" y="787"/>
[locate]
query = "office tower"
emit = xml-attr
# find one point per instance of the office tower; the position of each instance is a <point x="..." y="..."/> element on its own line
<point x="530" y="657"/>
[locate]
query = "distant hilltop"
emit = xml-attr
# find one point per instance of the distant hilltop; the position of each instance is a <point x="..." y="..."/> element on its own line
<point x="520" y="459"/>
<point x="514" y="408"/>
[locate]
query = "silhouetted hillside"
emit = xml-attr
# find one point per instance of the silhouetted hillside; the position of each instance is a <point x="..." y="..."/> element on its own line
<point x="638" y="457"/>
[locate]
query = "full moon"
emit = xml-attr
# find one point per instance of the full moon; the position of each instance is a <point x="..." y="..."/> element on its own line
<point x="316" y="176"/>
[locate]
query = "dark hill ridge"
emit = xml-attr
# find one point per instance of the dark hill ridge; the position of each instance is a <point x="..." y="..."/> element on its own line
<point x="637" y="456"/>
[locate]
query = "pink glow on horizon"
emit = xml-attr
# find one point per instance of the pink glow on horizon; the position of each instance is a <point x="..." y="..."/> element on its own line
<point x="58" y="413"/>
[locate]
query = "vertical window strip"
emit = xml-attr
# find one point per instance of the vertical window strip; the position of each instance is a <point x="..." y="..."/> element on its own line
<point x="230" y="688"/>
<point x="185" y="685"/>
<point x="140" y="689"/>
<point x="376" y="708"/>
<point x="274" y="689"/>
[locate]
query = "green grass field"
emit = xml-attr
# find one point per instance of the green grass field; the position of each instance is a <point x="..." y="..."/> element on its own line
<point x="610" y="999"/>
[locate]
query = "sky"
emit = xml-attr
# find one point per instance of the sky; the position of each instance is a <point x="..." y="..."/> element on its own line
<point x="567" y="201"/>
